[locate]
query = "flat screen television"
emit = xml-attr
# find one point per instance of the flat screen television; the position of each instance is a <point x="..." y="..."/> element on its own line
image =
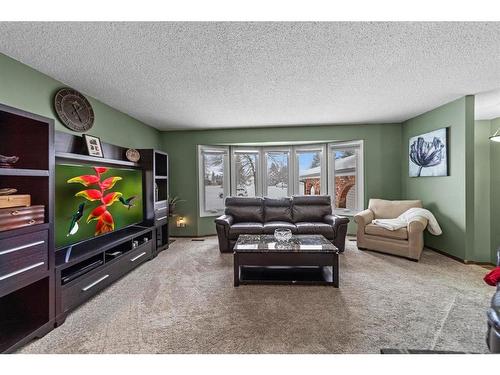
<point x="92" y="201"/>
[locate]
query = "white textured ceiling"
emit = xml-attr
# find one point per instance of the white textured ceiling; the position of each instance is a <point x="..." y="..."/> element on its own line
<point x="215" y="75"/>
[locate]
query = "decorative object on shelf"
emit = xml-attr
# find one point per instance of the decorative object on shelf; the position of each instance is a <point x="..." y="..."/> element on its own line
<point x="133" y="155"/>
<point x="93" y="144"/>
<point x="8" y="191"/>
<point x="428" y="154"/>
<point x="156" y="192"/>
<point x="18" y="200"/>
<point x="172" y="203"/>
<point x="135" y="244"/>
<point x="181" y="222"/>
<point x="283" y="234"/>
<point x="8" y="161"/>
<point x="13" y="218"/>
<point x="74" y="110"/>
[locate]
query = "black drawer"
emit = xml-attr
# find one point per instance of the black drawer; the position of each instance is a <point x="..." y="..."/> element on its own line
<point x="78" y="291"/>
<point x="133" y="258"/>
<point x="161" y="215"/>
<point x="22" y="257"/>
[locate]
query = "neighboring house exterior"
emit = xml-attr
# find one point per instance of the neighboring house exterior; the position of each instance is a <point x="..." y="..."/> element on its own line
<point x="345" y="182"/>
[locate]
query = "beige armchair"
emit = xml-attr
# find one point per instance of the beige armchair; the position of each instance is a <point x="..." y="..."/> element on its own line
<point x="407" y="242"/>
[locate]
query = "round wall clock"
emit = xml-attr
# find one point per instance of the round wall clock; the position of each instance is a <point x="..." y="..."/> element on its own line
<point x="74" y="110"/>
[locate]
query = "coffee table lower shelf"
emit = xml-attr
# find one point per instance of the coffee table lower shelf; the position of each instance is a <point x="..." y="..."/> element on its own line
<point x="322" y="275"/>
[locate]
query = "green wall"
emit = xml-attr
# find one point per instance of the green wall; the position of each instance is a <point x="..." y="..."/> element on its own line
<point x="482" y="191"/>
<point x="382" y="152"/>
<point x="495" y="190"/>
<point x="27" y="89"/>
<point x="450" y="198"/>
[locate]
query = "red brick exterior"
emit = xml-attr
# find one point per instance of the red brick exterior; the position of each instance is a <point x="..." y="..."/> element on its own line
<point x="342" y="186"/>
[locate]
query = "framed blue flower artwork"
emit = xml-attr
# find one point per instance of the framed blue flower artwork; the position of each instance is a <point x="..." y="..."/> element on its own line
<point x="428" y="154"/>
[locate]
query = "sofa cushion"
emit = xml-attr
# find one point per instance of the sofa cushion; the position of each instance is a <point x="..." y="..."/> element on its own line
<point x="271" y="226"/>
<point x="245" y="228"/>
<point x="384" y="209"/>
<point x="245" y="210"/>
<point x="375" y="230"/>
<point x="278" y="209"/>
<point x="315" y="228"/>
<point x="311" y="208"/>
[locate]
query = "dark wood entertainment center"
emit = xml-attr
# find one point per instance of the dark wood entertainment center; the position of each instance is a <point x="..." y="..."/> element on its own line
<point x="40" y="285"/>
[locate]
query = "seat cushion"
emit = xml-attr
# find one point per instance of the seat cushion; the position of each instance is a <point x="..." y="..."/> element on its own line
<point x="271" y="226"/>
<point x="315" y="228"/>
<point x="375" y="230"/>
<point x="245" y="228"/>
<point x="278" y="209"/>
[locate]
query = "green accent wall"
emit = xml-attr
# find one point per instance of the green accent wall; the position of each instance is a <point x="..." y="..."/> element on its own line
<point x="495" y="190"/>
<point x="27" y="89"/>
<point x="482" y="191"/>
<point x="382" y="159"/>
<point x="450" y="198"/>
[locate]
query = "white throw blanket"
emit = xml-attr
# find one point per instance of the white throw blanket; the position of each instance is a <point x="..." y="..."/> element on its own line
<point x="407" y="217"/>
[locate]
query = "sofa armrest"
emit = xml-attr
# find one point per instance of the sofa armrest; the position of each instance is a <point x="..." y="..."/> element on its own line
<point x="335" y="220"/>
<point x="417" y="225"/>
<point x="226" y="220"/>
<point x="364" y="218"/>
<point x="339" y="224"/>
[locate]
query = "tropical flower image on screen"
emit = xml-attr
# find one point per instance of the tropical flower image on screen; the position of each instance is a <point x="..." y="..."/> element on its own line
<point x="92" y="201"/>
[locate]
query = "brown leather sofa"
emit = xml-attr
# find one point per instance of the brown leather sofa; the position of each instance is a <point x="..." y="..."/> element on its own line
<point x="301" y="214"/>
<point x="406" y="242"/>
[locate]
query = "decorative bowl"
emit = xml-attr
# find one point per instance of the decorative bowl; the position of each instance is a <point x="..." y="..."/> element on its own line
<point x="282" y="234"/>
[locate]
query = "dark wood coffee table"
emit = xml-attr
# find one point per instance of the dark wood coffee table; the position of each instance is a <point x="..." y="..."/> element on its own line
<point x="305" y="259"/>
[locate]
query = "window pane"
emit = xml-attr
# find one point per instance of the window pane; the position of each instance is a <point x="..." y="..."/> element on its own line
<point x="246" y="169"/>
<point x="213" y="170"/>
<point x="277" y="174"/>
<point x="345" y="179"/>
<point x="309" y="172"/>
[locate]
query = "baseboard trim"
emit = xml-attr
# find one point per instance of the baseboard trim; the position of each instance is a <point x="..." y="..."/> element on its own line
<point x="463" y="261"/>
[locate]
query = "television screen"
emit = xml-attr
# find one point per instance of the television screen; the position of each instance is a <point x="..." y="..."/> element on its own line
<point x="92" y="201"/>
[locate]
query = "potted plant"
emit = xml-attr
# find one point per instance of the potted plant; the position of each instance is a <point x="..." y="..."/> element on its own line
<point x="172" y="202"/>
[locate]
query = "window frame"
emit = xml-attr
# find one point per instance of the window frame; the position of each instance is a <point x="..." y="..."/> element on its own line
<point x="201" y="177"/>
<point x="296" y="150"/>
<point x="358" y="147"/>
<point x="265" y="151"/>
<point x="258" y="178"/>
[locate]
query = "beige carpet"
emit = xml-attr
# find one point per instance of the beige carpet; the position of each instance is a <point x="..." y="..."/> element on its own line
<point x="184" y="302"/>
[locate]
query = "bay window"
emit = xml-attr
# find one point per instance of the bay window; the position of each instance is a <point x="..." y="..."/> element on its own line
<point x="334" y="168"/>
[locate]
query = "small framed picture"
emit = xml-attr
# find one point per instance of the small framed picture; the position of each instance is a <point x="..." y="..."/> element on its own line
<point x="93" y="144"/>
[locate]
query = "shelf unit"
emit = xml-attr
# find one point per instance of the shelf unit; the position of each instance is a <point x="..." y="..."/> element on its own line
<point x="156" y="170"/>
<point x="85" y="269"/>
<point x="27" y="293"/>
